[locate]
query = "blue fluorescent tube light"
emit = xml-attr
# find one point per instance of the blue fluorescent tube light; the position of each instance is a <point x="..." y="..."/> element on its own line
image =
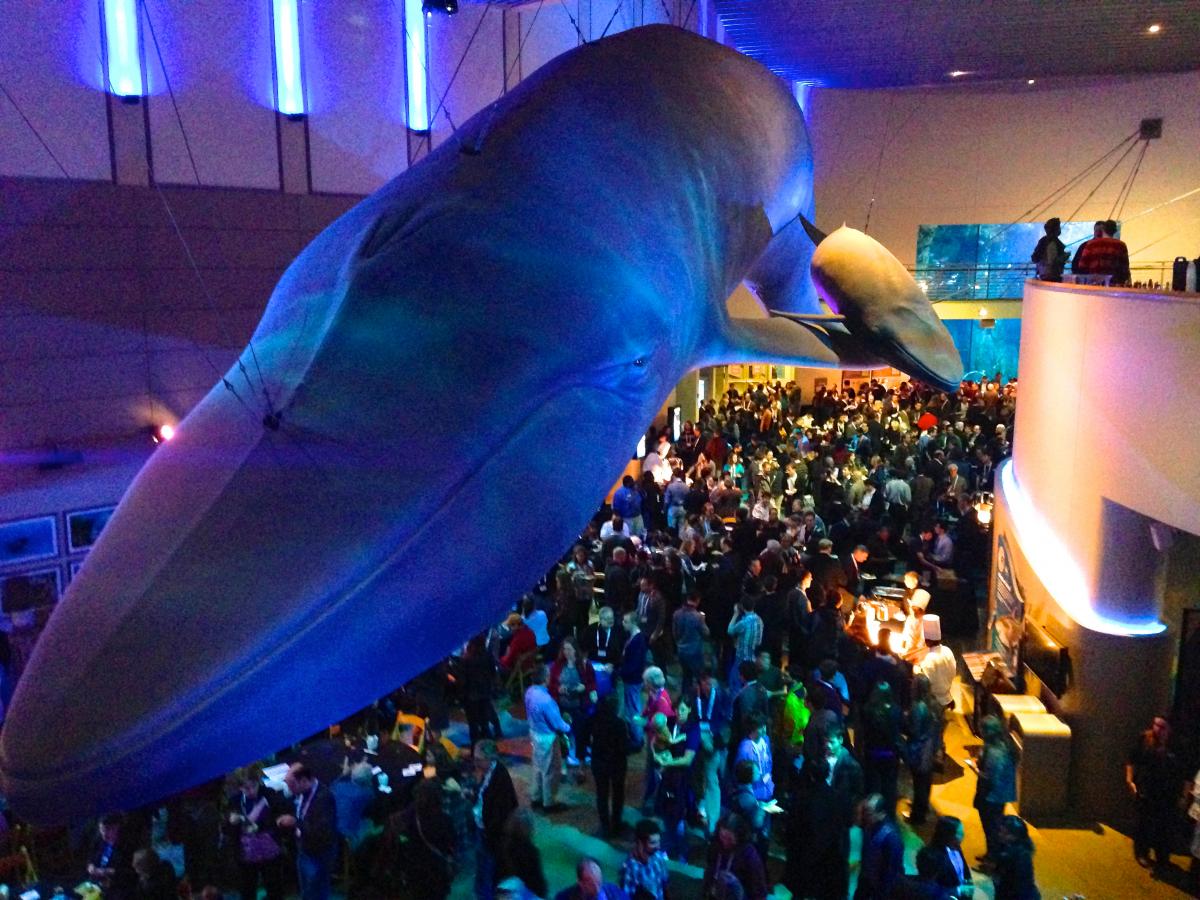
<point x="289" y="76"/>
<point x="121" y="41"/>
<point x="414" y="66"/>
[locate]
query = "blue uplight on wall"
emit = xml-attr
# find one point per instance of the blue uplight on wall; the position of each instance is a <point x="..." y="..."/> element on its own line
<point x="123" y="46"/>
<point x="1054" y="564"/>
<point x="289" y="70"/>
<point x="416" y="81"/>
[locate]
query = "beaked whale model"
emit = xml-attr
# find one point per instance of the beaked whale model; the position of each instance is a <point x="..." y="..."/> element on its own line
<point x="443" y="385"/>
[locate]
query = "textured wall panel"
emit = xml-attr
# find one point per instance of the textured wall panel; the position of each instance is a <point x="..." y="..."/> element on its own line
<point x="355" y="69"/>
<point x="219" y="67"/>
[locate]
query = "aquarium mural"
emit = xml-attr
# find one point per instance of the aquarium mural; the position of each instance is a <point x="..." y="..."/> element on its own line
<point x="983" y="262"/>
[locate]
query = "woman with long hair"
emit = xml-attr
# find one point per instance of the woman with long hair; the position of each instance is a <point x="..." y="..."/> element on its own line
<point x="1014" y="878"/>
<point x="921" y="731"/>
<point x="573" y="684"/>
<point x="477" y="669"/>
<point x="997" y="783"/>
<point x="953" y="873"/>
<point x="252" y="810"/>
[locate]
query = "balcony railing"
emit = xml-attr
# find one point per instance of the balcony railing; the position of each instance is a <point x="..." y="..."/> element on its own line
<point x="1007" y="282"/>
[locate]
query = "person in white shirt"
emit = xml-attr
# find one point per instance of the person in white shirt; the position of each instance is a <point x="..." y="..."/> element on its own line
<point x="546" y="727"/>
<point x="940" y="667"/>
<point x="616" y="525"/>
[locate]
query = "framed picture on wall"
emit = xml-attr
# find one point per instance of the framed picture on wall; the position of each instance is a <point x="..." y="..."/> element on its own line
<point x="85" y="525"/>
<point x="38" y="589"/>
<point x="28" y="540"/>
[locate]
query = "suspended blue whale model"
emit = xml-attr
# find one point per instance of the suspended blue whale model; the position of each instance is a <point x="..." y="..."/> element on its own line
<point x="443" y="385"/>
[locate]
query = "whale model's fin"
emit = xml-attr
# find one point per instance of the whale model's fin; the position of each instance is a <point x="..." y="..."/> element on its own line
<point x="772" y="340"/>
<point x="804" y="318"/>
<point x="779" y="277"/>
<point x="815" y="233"/>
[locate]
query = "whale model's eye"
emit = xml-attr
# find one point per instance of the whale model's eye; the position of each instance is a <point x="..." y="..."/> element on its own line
<point x="640" y="362"/>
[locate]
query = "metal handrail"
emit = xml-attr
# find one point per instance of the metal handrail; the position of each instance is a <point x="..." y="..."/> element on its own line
<point x="1007" y="282"/>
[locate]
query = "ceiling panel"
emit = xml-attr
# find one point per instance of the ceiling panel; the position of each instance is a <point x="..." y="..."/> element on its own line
<point x="888" y="43"/>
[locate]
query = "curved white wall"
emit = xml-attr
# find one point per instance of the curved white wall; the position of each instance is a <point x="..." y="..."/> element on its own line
<point x="1106" y="425"/>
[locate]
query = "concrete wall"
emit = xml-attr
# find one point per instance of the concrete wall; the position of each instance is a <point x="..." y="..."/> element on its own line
<point x="107" y="327"/>
<point x="988" y="154"/>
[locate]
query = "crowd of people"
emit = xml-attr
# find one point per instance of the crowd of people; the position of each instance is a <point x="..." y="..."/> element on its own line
<point x="710" y="624"/>
<point x="713" y="631"/>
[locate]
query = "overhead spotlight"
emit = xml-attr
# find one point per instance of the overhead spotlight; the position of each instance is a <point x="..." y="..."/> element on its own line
<point x="957" y="73"/>
<point x="162" y="433"/>
<point x="1154" y="29"/>
<point x="445" y="7"/>
<point x="1031" y="81"/>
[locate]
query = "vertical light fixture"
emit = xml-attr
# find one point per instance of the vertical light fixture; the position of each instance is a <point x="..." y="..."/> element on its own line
<point x="415" y="80"/>
<point x="123" y="49"/>
<point x="289" y="71"/>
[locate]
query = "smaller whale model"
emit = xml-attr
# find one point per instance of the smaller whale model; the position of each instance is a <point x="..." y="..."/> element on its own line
<point x="443" y="385"/>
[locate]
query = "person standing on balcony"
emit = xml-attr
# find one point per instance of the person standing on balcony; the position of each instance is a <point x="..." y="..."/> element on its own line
<point x="1097" y="232"/>
<point x="1050" y="256"/>
<point x="1105" y="255"/>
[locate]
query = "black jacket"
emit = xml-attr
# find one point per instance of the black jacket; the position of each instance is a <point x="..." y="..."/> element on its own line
<point x="499" y="800"/>
<point x="317" y="831"/>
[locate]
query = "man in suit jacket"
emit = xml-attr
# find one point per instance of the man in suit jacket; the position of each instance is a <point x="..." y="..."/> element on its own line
<point x="753" y="700"/>
<point x="852" y="569"/>
<point x="634" y="660"/>
<point x="315" y="826"/>
<point x="827" y="572"/>
<point x="605" y="640"/>
<point x="495" y="801"/>
<point x="110" y="861"/>
<point x="618" y="581"/>
<point x="985" y="472"/>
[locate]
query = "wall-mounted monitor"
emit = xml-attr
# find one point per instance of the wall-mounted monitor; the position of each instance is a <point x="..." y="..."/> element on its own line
<point x="30" y="590"/>
<point x="26" y="540"/>
<point x="1049" y="660"/>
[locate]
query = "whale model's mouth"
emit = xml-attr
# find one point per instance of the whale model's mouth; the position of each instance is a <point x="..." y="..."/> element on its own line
<point x="947" y="380"/>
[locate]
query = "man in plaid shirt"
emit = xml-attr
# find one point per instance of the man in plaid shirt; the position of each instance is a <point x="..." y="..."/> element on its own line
<point x="644" y="872"/>
<point x="746" y="629"/>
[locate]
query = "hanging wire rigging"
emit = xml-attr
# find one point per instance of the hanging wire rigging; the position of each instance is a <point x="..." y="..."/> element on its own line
<point x="575" y="24"/>
<point x="458" y="68"/>
<point x="620" y="6"/>
<point x="221" y="376"/>
<point x="171" y="92"/>
<point x="1127" y="187"/>
<point x="1046" y="202"/>
<point x="885" y="141"/>
<point x="37" y="134"/>
<point x="521" y="43"/>
<point x="270" y="405"/>
<point x="1101" y="182"/>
